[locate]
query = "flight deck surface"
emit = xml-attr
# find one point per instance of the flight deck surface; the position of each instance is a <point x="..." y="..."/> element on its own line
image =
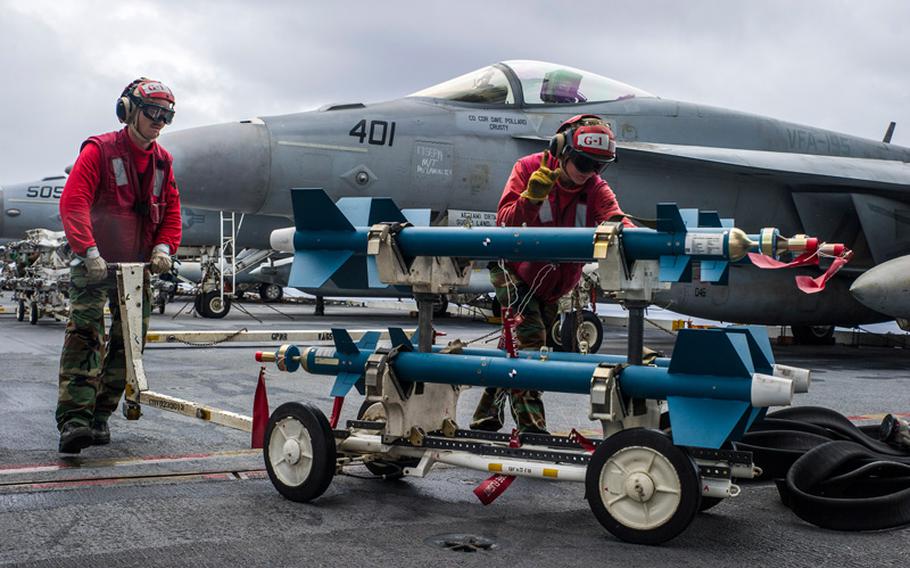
<point x="175" y="491"/>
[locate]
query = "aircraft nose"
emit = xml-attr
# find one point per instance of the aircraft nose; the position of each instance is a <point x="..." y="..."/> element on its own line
<point x="222" y="167"/>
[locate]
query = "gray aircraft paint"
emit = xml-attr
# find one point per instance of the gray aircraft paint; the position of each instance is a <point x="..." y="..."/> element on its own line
<point x="425" y="151"/>
<point x="36" y="204"/>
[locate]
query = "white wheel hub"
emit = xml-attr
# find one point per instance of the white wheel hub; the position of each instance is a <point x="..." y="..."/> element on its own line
<point x="640" y="487"/>
<point x="587" y="332"/>
<point x="291" y="452"/>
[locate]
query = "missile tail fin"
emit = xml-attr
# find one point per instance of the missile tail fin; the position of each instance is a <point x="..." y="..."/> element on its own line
<point x="313" y="268"/>
<point x="369" y="341"/>
<point x="343" y="342"/>
<point x="729" y="354"/>
<point x="343" y="383"/>
<point x="400" y="338"/>
<point x="707" y="423"/>
<point x="314" y="211"/>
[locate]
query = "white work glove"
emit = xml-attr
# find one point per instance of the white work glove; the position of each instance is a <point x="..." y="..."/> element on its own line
<point x="95" y="266"/>
<point x="161" y="260"/>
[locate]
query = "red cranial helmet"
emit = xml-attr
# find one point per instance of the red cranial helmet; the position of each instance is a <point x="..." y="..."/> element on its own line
<point x="586" y="140"/>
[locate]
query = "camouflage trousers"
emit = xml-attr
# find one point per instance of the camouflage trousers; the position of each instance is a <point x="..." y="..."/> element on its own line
<point x="93" y="374"/>
<point x="526" y="405"/>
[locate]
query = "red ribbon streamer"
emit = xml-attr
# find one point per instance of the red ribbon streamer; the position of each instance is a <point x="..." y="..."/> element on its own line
<point x="815" y="285"/>
<point x="768" y="263"/>
<point x="492" y="487"/>
<point x="260" y="412"/>
<point x="585" y="443"/>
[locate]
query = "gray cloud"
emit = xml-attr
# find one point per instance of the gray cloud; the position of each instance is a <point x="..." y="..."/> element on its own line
<point x="837" y="65"/>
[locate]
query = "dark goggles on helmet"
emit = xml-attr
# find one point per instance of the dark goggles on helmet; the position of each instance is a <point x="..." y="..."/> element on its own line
<point x="587" y="165"/>
<point x="156" y="113"/>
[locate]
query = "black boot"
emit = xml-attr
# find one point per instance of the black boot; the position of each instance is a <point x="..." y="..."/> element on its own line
<point x="73" y="438"/>
<point x="101" y="434"/>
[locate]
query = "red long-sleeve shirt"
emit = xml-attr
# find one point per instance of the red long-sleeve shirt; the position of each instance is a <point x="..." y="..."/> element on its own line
<point x="86" y="193"/>
<point x="584" y="206"/>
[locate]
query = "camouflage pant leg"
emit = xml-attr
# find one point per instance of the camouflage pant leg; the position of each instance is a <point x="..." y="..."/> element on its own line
<point x="80" y="360"/>
<point x="526" y="405"/>
<point x="113" y="374"/>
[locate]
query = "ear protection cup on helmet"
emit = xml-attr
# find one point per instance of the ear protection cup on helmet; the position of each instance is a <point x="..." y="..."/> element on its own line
<point x="125" y="105"/>
<point x="561" y="142"/>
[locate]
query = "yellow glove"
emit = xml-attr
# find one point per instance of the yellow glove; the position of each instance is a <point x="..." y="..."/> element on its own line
<point x="160" y="262"/>
<point x="541" y="181"/>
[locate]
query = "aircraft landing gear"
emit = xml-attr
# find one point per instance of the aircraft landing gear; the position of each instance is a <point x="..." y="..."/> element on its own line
<point x="210" y="305"/>
<point x="813" y="334"/>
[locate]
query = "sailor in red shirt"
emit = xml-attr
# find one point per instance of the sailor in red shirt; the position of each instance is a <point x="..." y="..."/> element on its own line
<point x="120" y="204"/>
<point x="560" y="187"/>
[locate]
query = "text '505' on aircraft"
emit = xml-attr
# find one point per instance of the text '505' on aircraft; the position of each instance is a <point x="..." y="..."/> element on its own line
<point x="451" y="147"/>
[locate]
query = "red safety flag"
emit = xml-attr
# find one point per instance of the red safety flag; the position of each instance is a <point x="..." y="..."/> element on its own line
<point x="768" y="263"/>
<point x="336" y="411"/>
<point x="260" y="412"/>
<point x="586" y="444"/>
<point x="815" y="285"/>
<point x="515" y="439"/>
<point x="492" y="487"/>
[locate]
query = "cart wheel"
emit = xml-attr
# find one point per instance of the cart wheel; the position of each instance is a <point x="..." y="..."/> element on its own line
<point x="389" y="470"/>
<point x="20" y="311"/>
<point x="641" y="487"/>
<point x="299" y="451"/>
<point x="33" y="313"/>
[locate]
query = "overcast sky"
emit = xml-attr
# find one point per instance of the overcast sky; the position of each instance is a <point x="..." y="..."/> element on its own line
<point x="833" y="64"/>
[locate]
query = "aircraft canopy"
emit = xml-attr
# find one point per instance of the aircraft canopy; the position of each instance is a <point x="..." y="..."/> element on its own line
<point x="525" y="82"/>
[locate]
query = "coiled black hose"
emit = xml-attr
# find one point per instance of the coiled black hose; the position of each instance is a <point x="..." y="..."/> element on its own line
<point x="830" y="472"/>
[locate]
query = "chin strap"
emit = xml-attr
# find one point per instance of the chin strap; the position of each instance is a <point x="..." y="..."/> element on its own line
<point x="135" y="131"/>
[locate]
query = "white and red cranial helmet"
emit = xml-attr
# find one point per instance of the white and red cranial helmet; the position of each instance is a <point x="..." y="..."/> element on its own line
<point x="157" y="92"/>
<point x="589" y="135"/>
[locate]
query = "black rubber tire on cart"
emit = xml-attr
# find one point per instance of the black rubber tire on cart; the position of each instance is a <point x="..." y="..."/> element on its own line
<point x="641" y="487"/>
<point x="389" y="470"/>
<point x="299" y="451"/>
<point x="20" y="310"/>
<point x="33" y="313"/>
<point x="706" y="502"/>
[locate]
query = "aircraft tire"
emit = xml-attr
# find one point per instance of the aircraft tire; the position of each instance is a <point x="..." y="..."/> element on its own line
<point x="33" y="313"/>
<point x="813" y="334"/>
<point x="210" y="305"/>
<point x="271" y="292"/>
<point x="20" y="311"/>
<point x="660" y="482"/>
<point x="299" y="451"/>
<point x="591" y="330"/>
<point x="389" y="470"/>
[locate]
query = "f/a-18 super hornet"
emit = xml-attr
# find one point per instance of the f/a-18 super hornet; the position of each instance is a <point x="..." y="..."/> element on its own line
<point x="451" y="147"/>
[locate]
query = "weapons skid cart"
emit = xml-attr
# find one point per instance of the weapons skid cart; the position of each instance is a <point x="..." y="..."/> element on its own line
<point x="643" y="484"/>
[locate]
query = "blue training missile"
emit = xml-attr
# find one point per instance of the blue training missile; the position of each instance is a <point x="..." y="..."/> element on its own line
<point x="325" y="237"/>
<point x="712" y="398"/>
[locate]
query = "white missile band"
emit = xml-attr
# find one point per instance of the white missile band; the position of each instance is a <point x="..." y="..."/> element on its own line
<point x="283" y="239"/>
<point x="801" y="378"/>
<point x="771" y="391"/>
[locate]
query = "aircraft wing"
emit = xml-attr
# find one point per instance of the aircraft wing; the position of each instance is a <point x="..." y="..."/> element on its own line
<point x="802" y="169"/>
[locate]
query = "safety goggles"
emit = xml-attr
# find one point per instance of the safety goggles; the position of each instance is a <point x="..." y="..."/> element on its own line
<point x="587" y="165"/>
<point x="156" y="113"/>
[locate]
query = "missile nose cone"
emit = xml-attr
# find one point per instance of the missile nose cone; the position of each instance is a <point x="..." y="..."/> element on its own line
<point x="886" y="287"/>
<point x="222" y="167"/>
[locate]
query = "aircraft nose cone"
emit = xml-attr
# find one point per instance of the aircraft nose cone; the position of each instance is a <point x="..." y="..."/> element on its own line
<point x="222" y="167"/>
<point x="886" y="287"/>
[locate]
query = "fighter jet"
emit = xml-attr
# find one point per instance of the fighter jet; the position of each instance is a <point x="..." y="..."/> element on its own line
<point x="450" y="148"/>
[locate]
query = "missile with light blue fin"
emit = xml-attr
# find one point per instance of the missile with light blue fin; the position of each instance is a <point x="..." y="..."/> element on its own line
<point x="327" y="236"/>
<point x="712" y="398"/>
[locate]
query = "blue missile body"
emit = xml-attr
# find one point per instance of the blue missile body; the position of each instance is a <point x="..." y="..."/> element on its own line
<point x="326" y="237"/>
<point x="711" y="399"/>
